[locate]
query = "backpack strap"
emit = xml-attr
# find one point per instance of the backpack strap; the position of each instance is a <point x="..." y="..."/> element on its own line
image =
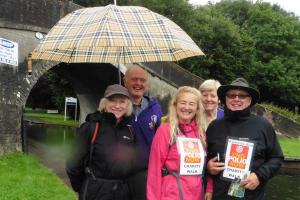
<point x="88" y="169"/>
<point x="95" y="133"/>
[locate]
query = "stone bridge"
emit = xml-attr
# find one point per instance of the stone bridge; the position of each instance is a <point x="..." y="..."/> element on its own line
<point x="20" y="21"/>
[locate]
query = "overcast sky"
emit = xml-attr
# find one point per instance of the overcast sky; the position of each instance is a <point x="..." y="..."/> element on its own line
<point x="288" y="5"/>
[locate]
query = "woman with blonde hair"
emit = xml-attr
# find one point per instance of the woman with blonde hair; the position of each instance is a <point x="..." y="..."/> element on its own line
<point x="210" y="100"/>
<point x="104" y="153"/>
<point x="177" y="154"/>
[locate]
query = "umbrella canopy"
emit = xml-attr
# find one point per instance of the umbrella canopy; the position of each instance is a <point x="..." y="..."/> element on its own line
<point x="115" y="34"/>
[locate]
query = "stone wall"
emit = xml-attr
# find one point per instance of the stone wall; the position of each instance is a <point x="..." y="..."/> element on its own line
<point x="281" y="124"/>
<point x="38" y="15"/>
<point x="10" y="128"/>
<point x="19" y="21"/>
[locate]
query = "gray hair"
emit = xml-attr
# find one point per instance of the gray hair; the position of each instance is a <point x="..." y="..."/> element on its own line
<point x="135" y="66"/>
<point x="209" y="85"/>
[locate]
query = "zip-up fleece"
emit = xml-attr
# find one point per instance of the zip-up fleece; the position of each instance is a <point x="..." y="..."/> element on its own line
<point x="145" y="126"/>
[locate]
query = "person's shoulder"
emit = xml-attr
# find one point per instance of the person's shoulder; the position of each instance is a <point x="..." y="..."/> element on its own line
<point x="215" y="124"/>
<point x="261" y="120"/>
<point x="151" y="101"/>
<point x="163" y="129"/>
<point x="258" y="118"/>
<point x="153" y="104"/>
<point x="96" y="116"/>
<point x="217" y="121"/>
<point x="164" y="126"/>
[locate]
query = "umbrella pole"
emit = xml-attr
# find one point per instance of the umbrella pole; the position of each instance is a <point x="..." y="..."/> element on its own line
<point x="29" y="64"/>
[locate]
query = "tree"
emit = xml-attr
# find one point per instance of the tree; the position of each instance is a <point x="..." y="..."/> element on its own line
<point x="258" y="41"/>
<point x="276" y="35"/>
<point x="50" y="92"/>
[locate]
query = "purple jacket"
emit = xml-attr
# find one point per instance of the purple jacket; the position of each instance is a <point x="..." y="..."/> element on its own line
<point x="145" y="126"/>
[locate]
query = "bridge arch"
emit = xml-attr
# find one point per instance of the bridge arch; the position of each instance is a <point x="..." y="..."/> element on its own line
<point x="20" y="20"/>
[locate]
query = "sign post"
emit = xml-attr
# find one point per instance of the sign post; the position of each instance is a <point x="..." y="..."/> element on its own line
<point x="9" y="52"/>
<point x="72" y="102"/>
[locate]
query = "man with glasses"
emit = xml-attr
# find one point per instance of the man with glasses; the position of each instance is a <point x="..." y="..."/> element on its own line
<point x="243" y="150"/>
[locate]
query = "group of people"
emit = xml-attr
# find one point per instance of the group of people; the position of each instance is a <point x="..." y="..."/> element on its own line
<point x="124" y="152"/>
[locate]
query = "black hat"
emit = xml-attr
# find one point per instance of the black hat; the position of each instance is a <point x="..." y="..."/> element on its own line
<point x="239" y="83"/>
<point x="115" y="89"/>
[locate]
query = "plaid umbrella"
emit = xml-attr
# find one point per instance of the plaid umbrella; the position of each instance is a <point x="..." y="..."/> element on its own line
<point x="115" y="34"/>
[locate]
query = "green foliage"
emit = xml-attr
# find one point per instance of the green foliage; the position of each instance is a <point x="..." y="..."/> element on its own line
<point x="23" y="178"/>
<point x="283" y="111"/>
<point x="275" y="34"/>
<point x="60" y="88"/>
<point x="253" y="39"/>
<point x="223" y="42"/>
<point x="50" y="92"/>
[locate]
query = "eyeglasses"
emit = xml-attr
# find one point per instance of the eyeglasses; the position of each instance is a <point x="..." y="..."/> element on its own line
<point x="240" y="96"/>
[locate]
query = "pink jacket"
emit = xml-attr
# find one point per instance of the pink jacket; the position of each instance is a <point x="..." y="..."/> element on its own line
<point x="165" y="187"/>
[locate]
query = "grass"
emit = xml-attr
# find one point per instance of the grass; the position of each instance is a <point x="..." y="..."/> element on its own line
<point x="53" y="119"/>
<point x="23" y="178"/>
<point x="290" y="146"/>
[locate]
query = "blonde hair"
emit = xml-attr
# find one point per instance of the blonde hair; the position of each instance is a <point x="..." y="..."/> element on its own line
<point x="103" y="103"/>
<point x="173" y="118"/>
<point x="209" y="85"/>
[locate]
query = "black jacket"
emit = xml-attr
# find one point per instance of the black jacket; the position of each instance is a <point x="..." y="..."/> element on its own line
<point x="267" y="155"/>
<point x="112" y="160"/>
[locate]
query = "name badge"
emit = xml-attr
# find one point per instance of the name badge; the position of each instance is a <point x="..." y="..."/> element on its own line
<point x="237" y="158"/>
<point x="191" y="155"/>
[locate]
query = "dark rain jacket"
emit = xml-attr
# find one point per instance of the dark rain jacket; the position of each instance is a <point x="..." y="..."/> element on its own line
<point x="112" y="160"/>
<point x="267" y="155"/>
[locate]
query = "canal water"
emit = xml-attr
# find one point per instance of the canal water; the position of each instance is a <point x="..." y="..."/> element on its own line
<point x="51" y="145"/>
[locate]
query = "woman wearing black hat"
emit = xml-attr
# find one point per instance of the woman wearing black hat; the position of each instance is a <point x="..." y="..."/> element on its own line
<point x="243" y="148"/>
<point x="103" y="155"/>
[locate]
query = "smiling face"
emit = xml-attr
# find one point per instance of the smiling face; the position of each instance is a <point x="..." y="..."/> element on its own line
<point x="186" y="107"/>
<point x="237" y="99"/>
<point x="210" y="101"/>
<point x="118" y="105"/>
<point x="136" y="81"/>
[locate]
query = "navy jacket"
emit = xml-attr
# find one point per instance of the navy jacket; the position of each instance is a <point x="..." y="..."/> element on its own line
<point x="145" y="126"/>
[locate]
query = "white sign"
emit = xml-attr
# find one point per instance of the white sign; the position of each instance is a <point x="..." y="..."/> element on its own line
<point x="8" y="52"/>
<point x="237" y="158"/>
<point x="71" y="100"/>
<point x="191" y="156"/>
